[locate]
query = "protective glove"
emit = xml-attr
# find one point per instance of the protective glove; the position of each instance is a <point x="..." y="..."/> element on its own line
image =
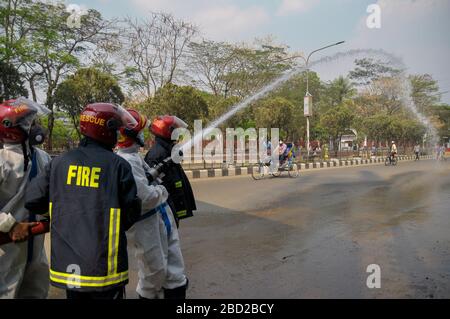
<point x="163" y="191"/>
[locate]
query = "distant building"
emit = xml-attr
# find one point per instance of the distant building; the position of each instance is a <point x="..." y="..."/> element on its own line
<point x="349" y="141"/>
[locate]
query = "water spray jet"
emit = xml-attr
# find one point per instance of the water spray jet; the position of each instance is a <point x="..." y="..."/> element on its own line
<point x="406" y="92"/>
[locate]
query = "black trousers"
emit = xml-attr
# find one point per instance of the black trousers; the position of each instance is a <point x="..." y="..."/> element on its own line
<point x="112" y="294"/>
<point x="417" y="156"/>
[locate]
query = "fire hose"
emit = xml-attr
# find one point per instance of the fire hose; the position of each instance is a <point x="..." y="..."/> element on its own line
<point x="39" y="229"/>
<point x="156" y="173"/>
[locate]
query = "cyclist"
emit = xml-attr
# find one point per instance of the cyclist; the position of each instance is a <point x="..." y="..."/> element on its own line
<point x="393" y="151"/>
<point x="281" y="152"/>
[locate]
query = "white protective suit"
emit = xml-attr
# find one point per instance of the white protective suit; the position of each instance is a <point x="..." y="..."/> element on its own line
<point x="158" y="253"/>
<point x="19" y="279"/>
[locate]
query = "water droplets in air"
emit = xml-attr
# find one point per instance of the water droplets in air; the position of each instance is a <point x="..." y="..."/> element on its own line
<point x="393" y="60"/>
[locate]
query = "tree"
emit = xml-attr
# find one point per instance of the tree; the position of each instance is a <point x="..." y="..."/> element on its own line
<point x="294" y="89"/>
<point x="65" y="136"/>
<point x="338" y="91"/>
<point x="13" y="15"/>
<point x="402" y="128"/>
<point x="237" y="70"/>
<point x="255" y="68"/>
<point x="86" y="86"/>
<point x="211" y="62"/>
<point x="11" y="84"/>
<point x="424" y="92"/>
<point x="154" y="50"/>
<point x="276" y="112"/>
<point x="377" y="126"/>
<point x="368" y="70"/>
<point x="49" y="47"/>
<point x="184" y="102"/>
<point x="442" y="119"/>
<point x="337" y="121"/>
<point x="389" y="93"/>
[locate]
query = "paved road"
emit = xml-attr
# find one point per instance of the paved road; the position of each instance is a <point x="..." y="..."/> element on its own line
<point x="314" y="236"/>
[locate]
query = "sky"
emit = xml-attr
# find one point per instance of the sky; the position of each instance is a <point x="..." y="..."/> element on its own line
<point x="417" y="31"/>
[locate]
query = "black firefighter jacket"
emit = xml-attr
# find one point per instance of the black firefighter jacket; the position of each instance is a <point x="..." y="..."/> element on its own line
<point x="181" y="198"/>
<point x="90" y="194"/>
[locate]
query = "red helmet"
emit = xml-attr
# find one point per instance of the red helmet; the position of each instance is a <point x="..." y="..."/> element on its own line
<point x="16" y="118"/>
<point x="128" y="137"/>
<point x="102" y="121"/>
<point x="163" y="126"/>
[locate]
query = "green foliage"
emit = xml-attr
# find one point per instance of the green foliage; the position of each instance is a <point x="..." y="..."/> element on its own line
<point x="337" y="121"/>
<point x="11" y="83"/>
<point x="65" y="135"/>
<point x="37" y="46"/>
<point x="251" y="68"/>
<point x="183" y="101"/>
<point x="84" y="87"/>
<point x="294" y="89"/>
<point x="276" y="112"/>
<point x="424" y="92"/>
<point x="338" y="91"/>
<point x="39" y="39"/>
<point x="442" y="112"/>
<point x="383" y="127"/>
<point x="369" y="70"/>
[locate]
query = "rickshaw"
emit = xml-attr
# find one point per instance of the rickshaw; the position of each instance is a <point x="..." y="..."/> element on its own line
<point x="286" y="164"/>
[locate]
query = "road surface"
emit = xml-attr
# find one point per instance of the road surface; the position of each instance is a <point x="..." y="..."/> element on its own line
<point x="315" y="236"/>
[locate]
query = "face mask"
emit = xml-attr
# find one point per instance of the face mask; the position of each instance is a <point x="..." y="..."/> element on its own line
<point x="140" y="139"/>
<point x="37" y="135"/>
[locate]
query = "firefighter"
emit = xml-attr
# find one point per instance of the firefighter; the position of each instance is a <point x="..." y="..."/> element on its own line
<point x="23" y="265"/>
<point x="158" y="253"/>
<point x="181" y="198"/>
<point x="91" y="197"/>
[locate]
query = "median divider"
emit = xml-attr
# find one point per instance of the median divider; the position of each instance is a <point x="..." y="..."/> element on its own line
<point x="244" y="170"/>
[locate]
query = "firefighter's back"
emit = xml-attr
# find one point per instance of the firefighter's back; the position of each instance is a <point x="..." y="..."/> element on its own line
<point x="87" y="234"/>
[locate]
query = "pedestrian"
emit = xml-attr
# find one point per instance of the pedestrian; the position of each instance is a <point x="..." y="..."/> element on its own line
<point x="374" y="150"/>
<point x="91" y="196"/>
<point x="437" y="151"/>
<point x="181" y="199"/>
<point x="158" y="253"/>
<point x="442" y="152"/>
<point x="23" y="265"/>
<point x="417" y="152"/>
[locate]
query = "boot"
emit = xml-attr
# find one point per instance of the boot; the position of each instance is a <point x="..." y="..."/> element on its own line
<point x="177" y="293"/>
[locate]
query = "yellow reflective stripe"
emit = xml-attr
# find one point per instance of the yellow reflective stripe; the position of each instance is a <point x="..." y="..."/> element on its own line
<point x="80" y="284"/>
<point x="85" y="281"/>
<point x="113" y="240"/>
<point x="110" y="238"/>
<point x="116" y="243"/>
<point x="50" y="208"/>
<point x="178" y="184"/>
<point x="182" y="213"/>
<point x="88" y="278"/>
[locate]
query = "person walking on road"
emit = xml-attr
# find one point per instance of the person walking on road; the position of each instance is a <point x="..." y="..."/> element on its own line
<point x="417" y="151"/>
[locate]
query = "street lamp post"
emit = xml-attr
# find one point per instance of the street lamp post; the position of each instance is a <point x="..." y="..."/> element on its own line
<point x="308" y="96"/>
